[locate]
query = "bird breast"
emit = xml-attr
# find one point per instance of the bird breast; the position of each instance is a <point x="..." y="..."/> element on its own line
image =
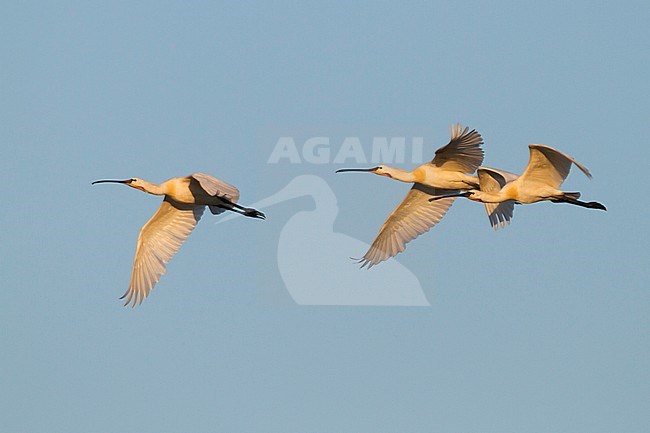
<point x="180" y="190"/>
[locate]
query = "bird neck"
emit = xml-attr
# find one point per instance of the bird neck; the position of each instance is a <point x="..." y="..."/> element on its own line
<point x="401" y="175"/>
<point x="151" y="188"/>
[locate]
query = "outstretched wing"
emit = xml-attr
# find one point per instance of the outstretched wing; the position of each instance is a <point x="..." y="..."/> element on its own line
<point x="159" y="240"/>
<point x="492" y="180"/>
<point x="549" y="166"/>
<point x="414" y="215"/>
<point x="216" y="187"/>
<point x="463" y="153"/>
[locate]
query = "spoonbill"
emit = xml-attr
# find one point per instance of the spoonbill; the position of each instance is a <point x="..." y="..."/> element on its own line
<point x="309" y="258"/>
<point x="449" y="171"/>
<point x="162" y="236"/>
<point x="546" y="170"/>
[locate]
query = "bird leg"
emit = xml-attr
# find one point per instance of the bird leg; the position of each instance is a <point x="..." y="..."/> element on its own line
<point x="575" y="201"/>
<point x="460" y="194"/>
<point x="234" y="207"/>
<point x="253" y="213"/>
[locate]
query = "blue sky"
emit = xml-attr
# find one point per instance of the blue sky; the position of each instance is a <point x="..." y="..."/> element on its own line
<point x="540" y="327"/>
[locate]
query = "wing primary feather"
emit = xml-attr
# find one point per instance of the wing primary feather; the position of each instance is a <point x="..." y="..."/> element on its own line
<point x="159" y="240"/>
<point x="463" y="152"/>
<point x="414" y="216"/>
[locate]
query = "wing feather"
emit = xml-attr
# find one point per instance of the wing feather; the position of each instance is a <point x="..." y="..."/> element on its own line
<point x="217" y="187"/>
<point x="549" y="166"/>
<point x="412" y="217"/>
<point x="463" y="153"/>
<point x="160" y="239"/>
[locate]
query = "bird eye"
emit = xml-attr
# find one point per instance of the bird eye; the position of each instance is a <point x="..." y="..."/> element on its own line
<point x="131" y="180"/>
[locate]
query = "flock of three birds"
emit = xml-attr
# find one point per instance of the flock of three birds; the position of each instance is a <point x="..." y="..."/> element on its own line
<point x="436" y="185"/>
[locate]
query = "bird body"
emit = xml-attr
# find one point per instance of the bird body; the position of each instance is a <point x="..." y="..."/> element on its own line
<point x="197" y="189"/>
<point x="447" y="173"/>
<point x="430" y="175"/>
<point x="162" y="236"/>
<point x="178" y="188"/>
<point x="523" y="192"/>
<point x="438" y="177"/>
<point x="520" y="190"/>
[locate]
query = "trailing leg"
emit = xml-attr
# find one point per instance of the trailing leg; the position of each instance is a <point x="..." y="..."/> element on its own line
<point x="572" y="198"/>
<point x="234" y="207"/>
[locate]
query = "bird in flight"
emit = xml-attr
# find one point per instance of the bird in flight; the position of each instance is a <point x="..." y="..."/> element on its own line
<point x="546" y="170"/>
<point x="449" y="172"/>
<point x="162" y="236"/>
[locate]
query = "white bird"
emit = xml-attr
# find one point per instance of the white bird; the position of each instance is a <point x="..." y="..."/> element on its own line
<point x="162" y="236"/>
<point x="450" y="171"/>
<point x="547" y="169"/>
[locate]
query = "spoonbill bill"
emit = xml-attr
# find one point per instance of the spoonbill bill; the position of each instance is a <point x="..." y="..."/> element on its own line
<point x="546" y="170"/>
<point x="309" y="258"/>
<point x="162" y="236"/>
<point x="448" y="172"/>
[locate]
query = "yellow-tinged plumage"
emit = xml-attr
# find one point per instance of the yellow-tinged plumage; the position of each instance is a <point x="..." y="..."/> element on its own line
<point x="162" y="236"/>
<point x="448" y="172"/>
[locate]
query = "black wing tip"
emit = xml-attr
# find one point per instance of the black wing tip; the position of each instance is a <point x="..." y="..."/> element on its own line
<point x="365" y="263"/>
<point x="130" y="299"/>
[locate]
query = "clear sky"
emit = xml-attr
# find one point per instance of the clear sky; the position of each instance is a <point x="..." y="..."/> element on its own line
<point x="542" y="327"/>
